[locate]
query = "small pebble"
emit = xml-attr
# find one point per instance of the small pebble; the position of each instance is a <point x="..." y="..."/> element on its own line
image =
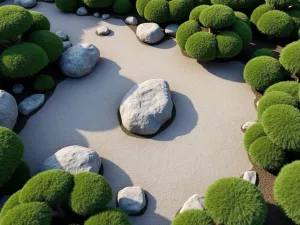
<point x="131" y="20"/>
<point x="102" y="31"/>
<point x="97" y="14"/>
<point x="105" y="16"/>
<point x="62" y="35"/>
<point x="247" y="125"/>
<point x="82" y="11"/>
<point x="66" y="45"/>
<point x="18" y="88"/>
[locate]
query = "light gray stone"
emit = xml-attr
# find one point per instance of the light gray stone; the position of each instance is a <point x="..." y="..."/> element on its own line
<point x="18" y="88"/>
<point x="105" y="16"/>
<point x="150" y="33"/>
<point x="79" y="60"/>
<point x="25" y="3"/>
<point x="62" y="35"/>
<point x="247" y="125"/>
<point x="74" y="159"/>
<point x="82" y="11"/>
<point x="132" y="200"/>
<point x="102" y="31"/>
<point x="146" y="107"/>
<point x="28" y="105"/>
<point x="250" y="176"/>
<point x="171" y="29"/>
<point x="97" y="14"/>
<point x="67" y="45"/>
<point x="131" y="20"/>
<point x="194" y="202"/>
<point x="8" y="110"/>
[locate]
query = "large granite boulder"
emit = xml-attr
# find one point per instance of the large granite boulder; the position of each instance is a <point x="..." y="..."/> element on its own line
<point x="194" y="202"/>
<point x="150" y="33"/>
<point x="132" y="200"/>
<point x="8" y="110"/>
<point x="146" y="107"/>
<point x="79" y="60"/>
<point x="74" y="159"/>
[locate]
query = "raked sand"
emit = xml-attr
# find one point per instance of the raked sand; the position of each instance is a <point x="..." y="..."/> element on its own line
<point x="204" y="142"/>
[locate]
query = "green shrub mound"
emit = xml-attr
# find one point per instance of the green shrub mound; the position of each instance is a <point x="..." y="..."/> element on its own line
<point x="262" y="72"/>
<point x="282" y="3"/>
<point x="259" y="11"/>
<point x="290" y="56"/>
<point x="179" y="10"/>
<point x="275" y="98"/>
<point x="193" y="217"/>
<point x="11" y="152"/>
<point x="266" y="154"/>
<point x="87" y="203"/>
<point x="186" y="30"/>
<point x="48" y="41"/>
<point x="295" y="15"/>
<point x="17" y="180"/>
<point x="140" y="6"/>
<point x="243" y="17"/>
<point x="287" y="191"/>
<point x="217" y="16"/>
<point x="252" y="134"/>
<point x="67" y="5"/>
<point x="14" y="21"/>
<point x="34" y="213"/>
<point x="44" y="83"/>
<point x="275" y="23"/>
<point x="236" y="4"/>
<point x="109" y="216"/>
<point x="235" y="201"/>
<point x="98" y="3"/>
<point x="229" y="44"/>
<point x="282" y="125"/>
<point x="264" y="52"/>
<point x="244" y="31"/>
<point x="202" y="46"/>
<point x="22" y="60"/>
<point x="52" y="187"/>
<point x="195" y="13"/>
<point x="40" y="22"/>
<point x="157" y="11"/>
<point x="10" y="203"/>
<point x="122" y="7"/>
<point x="290" y="87"/>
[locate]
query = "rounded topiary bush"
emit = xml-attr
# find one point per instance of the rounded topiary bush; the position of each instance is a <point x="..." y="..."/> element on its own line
<point x="266" y="154"/>
<point x="11" y="152"/>
<point x="295" y="15"/>
<point x="244" y="31"/>
<point x="140" y="6"/>
<point x="14" y="20"/>
<point x="157" y="11"/>
<point x="193" y="217"/>
<point x="235" y="201"/>
<point x="290" y="87"/>
<point x="44" y="83"/>
<point x="52" y="187"/>
<point x="22" y="60"/>
<point x="290" y="57"/>
<point x="264" y="52"/>
<point x="178" y="10"/>
<point x="109" y="216"/>
<point x="275" y="23"/>
<point x="230" y="44"/>
<point x="287" y="191"/>
<point x="37" y="213"/>
<point x="122" y="6"/>
<point x="40" y="22"/>
<point x="252" y="134"/>
<point x="10" y="203"/>
<point x="261" y="72"/>
<point x="48" y="41"/>
<point x="195" y="13"/>
<point x="98" y="3"/>
<point x="259" y="11"/>
<point x="282" y="3"/>
<point x="202" y="46"/>
<point x="243" y="17"/>
<point x="217" y="16"/>
<point x="186" y="30"/>
<point x="87" y="203"/>
<point x="67" y="5"/>
<point x="282" y="125"/>
<point x="236" y="4"/>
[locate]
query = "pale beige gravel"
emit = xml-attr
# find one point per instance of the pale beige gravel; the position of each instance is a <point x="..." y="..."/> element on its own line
<point x="203" y="144"/>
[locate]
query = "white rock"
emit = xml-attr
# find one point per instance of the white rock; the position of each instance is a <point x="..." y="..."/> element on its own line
<point x="67" y="45"/>
<point x="132" y="200"/>
<point x="250" y="176"/>
<point x="79" y="60"/>
<point x="105" y="16"/>
<point x="74" y="159"/>
<point x="149" y="33"/>
<point x="25" y="3"/>
<point x="102" y="31"/>
<point x="82" y="11"/>
<point x="18" y="88"/>
<point x="97" y="14"/>
<point x="146" y="107"/>
<point x="247" y="125"/>
<point x="31" y="103"/>
<point x="131" y="20"/>
<point x="194" y="202"/>
<point x="8" y="110"/>
<point x="62" y="35"/>
<point x="257" y="103"/>
<point x="171" y="29"/>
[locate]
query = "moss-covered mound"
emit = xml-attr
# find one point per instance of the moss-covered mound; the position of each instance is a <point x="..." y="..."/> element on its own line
<point x="244" y="31"/>
<point x="157" y="11"/>
<point x="243" y="17"/>
<point x="290" y="57"/>
<point x="193" y="217"/>
<point x="259" y="11"/>
<point x="186" y="30"/>
<point x="295" y="15"/>
<point x="44" y="83"/>
<point x="98" y="3"/>
<point x="252" y="134"/>
<point x="10" y="203"/>
<point x="178" y="10"/>
<point x="264" y="52"/>
<point x="230" y="44"/>
<point x="122" y="6"/>
<point x="67" y="5"/>
<point x="290" y="87"/>
<point x="237" y="4"/>
<point x="109" y="216"/>
<point x="195" y="13"/>
<point x="40" y="22"/>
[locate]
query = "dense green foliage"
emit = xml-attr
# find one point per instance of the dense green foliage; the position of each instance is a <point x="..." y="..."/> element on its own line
<point x="40" y="22"/>
<point x="287" y="191"/>
<point x="52" y="187"/>
<point x="140" y="6"/>
<point x="44" y="83"/>
<point x="109" y="216"/>
<point x="259" y="11"/>
<point x="10" y="203"/>
<point x="85" y="202"/>
<point x="264" y="52"/>
<point x="290" y="57"/>
<point x="244" y="31"/>
<point x="179" y="10"/>
<point x="261" y="72"/>
<point x="243" y="17"/>
<point x="98" y="3"/>
<point x="290" y="87"/>
<point x="14" y="21"/>
<point x="202" y="46"/>
<point x="236" y="4"/>
<point x="22" y="60"/>
<point x="282" y="3"/>
<point x="67" y="5"/>
<point x="122" y="6"/>
<point x="157" y="11"/>
<point x="186" y="30"/>
<point x="229" y="44"/>
<point x="295" y="15"/>
<point x="252" y="134"/>
<point x="235" y="201"/>
<point x="193" y="217"/>
<point x="195" y="13"/>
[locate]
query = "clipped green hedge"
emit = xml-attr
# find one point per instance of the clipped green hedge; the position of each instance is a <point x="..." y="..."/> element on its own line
<point x="230" y="44"/>
<point x="40" y="22"/>
<point x="14" y="21"/>
<point x="193" y="217"/>
<point x="44" y="83"/>
<point x="122" y="6"/>
<point x="85" y="202"/>
<point x="195" y="13"/>
<point x="140" y="6"/>
<point x="10" y="203"/>
<point x="67" y="5"/>
<point x="262" y="72"/>
<point x="290" y="57"/>
<point x="264" y="52"/>
<point x="244" y="31"/>
<point x="243" y="17"/>
<point x="259" y="11"/>
<point x="287" y="191"/>
<point x="157" y="11"/>
<point x="178" y="10"/>
<point x="282" y="3"/>
<point x="290" y="87"/>
<point x="52" y="187"/>
<point x="98" y="3"/>
<point x="109" y="216"/>
<point x="236" y="4"/>
<point x="202" y="46"/>
<point x="235" y="201"/>
<point x="186" y="30"/>
<point x="252" y="134"/>
<point x="295" y="15"/>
